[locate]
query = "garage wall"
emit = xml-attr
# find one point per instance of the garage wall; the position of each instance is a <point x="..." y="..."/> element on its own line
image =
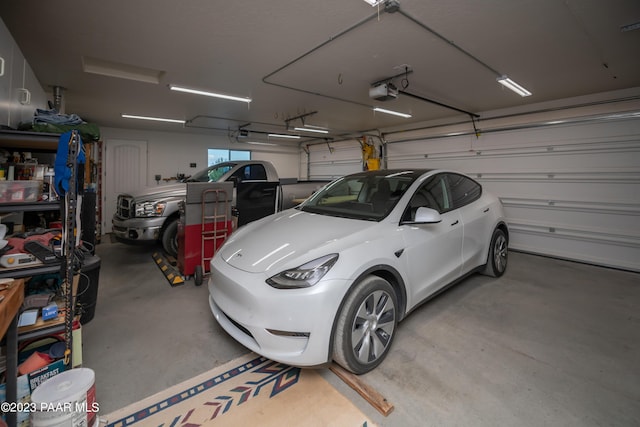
<point x="570" y="190"/>
<point x="170" y="153"/>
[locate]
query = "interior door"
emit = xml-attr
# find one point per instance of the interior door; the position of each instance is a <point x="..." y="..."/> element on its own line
<point x="125" y="171"/>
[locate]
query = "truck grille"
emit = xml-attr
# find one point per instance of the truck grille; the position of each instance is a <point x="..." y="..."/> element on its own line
<point x="125" y="207"/>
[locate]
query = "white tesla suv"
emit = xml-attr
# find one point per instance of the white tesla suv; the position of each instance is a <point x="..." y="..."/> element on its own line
<point x="331" y="278"/>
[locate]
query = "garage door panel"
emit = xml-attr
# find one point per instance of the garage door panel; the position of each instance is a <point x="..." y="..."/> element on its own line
<point x="599" y="249"/>
<point x="333" y="160"/>
<point x="570" y="191"/>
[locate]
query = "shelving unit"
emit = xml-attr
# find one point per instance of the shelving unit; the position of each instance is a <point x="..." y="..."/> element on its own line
<point x="47" y="143"/>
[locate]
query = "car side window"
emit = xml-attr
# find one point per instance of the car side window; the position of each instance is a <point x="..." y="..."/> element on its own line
<point x="255" y="172"/>
<point x="463" y="190"/>
<point x="432" y="194"/>
<point x="215" y="173"/>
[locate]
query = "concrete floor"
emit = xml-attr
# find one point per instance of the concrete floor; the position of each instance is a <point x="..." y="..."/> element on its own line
<point x="550" y="343"/>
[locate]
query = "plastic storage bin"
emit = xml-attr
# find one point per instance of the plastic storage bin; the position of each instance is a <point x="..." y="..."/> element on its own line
<point x="20" y="191"/>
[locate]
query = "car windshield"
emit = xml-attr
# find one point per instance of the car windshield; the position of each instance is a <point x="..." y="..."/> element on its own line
<point x="368" y="196"/>
<point x="211" y="174"/>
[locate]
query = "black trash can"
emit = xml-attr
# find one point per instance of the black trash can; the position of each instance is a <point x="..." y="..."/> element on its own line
<point x="87" y="295"/>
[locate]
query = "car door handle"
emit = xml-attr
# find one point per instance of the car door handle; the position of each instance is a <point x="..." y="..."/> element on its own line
<point x="486" y="210"/>
<point x="455" y="223"/>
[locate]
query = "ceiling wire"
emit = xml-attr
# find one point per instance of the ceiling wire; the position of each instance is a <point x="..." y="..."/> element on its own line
<point x="266" y="78"/>
<point x="342" y="33"/>
<point x="449" y="42"/>
<point x="582" y="26"/>
<point x="404" y="82"/>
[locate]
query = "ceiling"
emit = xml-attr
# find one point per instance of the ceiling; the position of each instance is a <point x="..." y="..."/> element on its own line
<point x="313" y="62"/>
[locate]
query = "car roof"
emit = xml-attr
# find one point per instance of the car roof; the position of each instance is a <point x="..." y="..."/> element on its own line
<point x="413" y="173"/>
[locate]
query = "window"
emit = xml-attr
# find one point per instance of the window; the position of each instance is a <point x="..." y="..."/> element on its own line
<point x="216" y="155"/>
<point x="433" y="194"/>
<point x="463" y="190"/>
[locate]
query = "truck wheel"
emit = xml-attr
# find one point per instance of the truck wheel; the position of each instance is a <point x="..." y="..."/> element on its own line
<point x="170" y="238"/>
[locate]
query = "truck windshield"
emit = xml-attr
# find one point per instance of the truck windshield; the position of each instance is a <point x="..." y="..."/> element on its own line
<point x="368" y="196"/>
<point x="211" y="174"/>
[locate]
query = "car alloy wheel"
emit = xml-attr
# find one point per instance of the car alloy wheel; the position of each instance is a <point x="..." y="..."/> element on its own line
<point x="366" y="325"/>
<point x="498" y="254"/>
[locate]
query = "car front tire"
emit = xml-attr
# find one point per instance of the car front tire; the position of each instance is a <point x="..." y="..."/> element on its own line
<point x="498" y="254"/>
<point x="366" y="325"/>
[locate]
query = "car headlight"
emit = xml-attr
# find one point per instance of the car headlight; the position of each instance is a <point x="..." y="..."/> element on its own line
<point x="147" y="209"/>
<point x="304" y="276"/>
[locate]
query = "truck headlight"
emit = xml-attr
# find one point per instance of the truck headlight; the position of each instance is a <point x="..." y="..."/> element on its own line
<point x="147" y="209"/>
<point x="304" y="276"/>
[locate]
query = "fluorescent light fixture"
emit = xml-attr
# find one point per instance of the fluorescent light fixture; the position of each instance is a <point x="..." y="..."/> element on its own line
<point x="259" y="143"/>
<point x="508" y="83"/>
<point x="308" y="129"/>
<point x="281" y="135"/>
<point x="121" y="71"/>
<point x="394" y="113"/>
<point x="156" y="119"/>
<point x="212" y="94"/>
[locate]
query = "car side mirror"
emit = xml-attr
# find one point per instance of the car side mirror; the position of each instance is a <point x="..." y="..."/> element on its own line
<point x="427" y="216"/>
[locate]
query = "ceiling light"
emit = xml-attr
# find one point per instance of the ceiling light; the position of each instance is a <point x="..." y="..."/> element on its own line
<point x="395" y="113"/>
<point x="374" y="2"/>
<point x="121" y="71"/>
<point x="280" y="135"/>
<point x="213" y="94"/>
<point x="157" y="119"/>
<point x="308" y="129"/>
<point x="260" y="143"/>
<point x="508" y="83"/>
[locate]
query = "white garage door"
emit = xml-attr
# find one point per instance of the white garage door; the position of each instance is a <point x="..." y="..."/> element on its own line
<point x="334" y="159"/>
<point x="570" y="191"/>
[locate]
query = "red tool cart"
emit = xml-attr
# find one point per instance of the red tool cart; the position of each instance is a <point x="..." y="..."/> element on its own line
<point x="205" y="223"/>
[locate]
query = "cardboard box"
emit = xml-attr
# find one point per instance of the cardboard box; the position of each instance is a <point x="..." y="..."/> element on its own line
<point x="27" y="384"/>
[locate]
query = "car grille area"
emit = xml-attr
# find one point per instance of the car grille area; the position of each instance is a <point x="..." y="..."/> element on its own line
<point x="125" y="207"/>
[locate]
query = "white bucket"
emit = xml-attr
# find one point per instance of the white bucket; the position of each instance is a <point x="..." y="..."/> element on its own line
<point x="67" y="399"/>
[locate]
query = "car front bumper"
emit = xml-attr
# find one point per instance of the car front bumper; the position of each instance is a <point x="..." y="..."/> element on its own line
<point x="290" y="326"/>
<point x="137" y="229"/>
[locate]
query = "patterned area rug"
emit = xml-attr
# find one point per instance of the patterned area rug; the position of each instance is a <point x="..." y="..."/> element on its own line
<point x="247" y="391"/>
